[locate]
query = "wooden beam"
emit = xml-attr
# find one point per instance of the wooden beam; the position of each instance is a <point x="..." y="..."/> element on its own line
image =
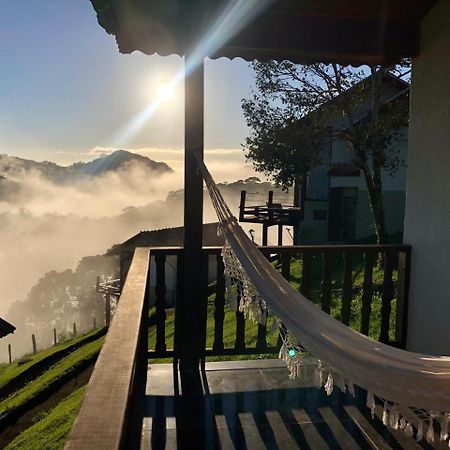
<point x="191" y="348"/>
<point x="101" y="422"/>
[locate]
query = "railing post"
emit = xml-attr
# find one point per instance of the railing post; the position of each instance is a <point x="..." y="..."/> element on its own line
<point x="286" y="266"/>
<point x="242" y="205"/>
<point x="54" y="337"/>
<point x="107" y="307"/>
<point x="404" y="274"/>
<point x="265" y="231"/>
<point x="219" y="313"/>
<point x="386" y="296"/>
<point x="9" y="353"/>
<point x="366" y="300"/>
<point x="280" y="235"/>
<point x="160" y="291"/>
<point x="305" y="287"/>
<point x="239" y="344"/>
<point x="261" y="340"/>
<point x="347" y="288"/>
<point x="325" y="296"/>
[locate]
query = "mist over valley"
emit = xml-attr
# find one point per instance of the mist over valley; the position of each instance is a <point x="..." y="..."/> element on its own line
<point x="52" y="216"/>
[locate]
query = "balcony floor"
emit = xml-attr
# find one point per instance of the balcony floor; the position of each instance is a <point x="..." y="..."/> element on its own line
<point x="254" y="405"/>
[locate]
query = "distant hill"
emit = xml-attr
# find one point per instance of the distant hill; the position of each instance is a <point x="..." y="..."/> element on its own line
<point x="12" y="166"/>
<point x="115" y="161"/>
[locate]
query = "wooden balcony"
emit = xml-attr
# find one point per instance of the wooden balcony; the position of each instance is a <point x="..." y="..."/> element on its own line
<point x="238" y="404"/>
<point x="280" y="211"/>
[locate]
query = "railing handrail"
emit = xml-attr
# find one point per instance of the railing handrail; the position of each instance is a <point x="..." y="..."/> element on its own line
<point x="293" y="249"/>
<point x="101" y="422"/>
<point x="336" y="248"/>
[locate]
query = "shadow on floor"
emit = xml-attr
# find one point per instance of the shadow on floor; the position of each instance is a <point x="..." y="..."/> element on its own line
<point x="254" y="405"/>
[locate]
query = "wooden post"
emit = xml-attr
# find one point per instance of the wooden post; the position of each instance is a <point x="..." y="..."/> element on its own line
<point x="9" y="353"/>
<point x="265" y="234"/>
<point x="74" y="329"/>
<point x="107" y="308"/>
<point x="160" y="303"/>
<point x="242" y="205"/>
<point x="94" y="322"/>
<point x="280" y="235"/>
<point x="270" y="199"/>
<point x="404" y="273"/>
<point x="193" y="300"/>
<point x="54" y="337"/>
<point x="33" y="340"/>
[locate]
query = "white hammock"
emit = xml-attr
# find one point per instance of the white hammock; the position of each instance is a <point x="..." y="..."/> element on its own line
<point x="415" y="388"/>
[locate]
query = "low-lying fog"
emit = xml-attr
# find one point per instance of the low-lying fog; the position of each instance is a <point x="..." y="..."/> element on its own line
<point x="47" y="225"/>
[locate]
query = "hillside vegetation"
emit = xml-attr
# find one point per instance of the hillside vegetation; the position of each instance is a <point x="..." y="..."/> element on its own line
<point x="37" y="395"/>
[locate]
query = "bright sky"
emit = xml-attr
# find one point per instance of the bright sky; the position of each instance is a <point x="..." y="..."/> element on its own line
<point x="66" y="92"/>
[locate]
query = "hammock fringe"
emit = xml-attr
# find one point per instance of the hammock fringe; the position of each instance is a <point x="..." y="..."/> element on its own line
<point x="341" y="357"/>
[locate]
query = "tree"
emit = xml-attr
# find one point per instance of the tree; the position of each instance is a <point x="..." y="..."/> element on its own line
<point x="60" y="298"/>
<point x="296" y="108"/>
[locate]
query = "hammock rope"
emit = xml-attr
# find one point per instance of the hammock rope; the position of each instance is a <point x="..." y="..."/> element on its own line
<point x="414" y="388"/>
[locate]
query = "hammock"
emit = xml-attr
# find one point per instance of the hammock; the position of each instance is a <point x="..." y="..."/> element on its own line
<point x="415" y="388"/>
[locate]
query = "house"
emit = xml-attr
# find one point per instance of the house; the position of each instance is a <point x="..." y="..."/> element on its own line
<point x="335" y="198"/>
<point x="165" y="237"/>
<point x="333" y="206"/>
<point x="6" y="328"/>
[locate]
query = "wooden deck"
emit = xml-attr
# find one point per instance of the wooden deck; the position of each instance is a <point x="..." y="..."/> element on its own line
<point x="254" y="405"/>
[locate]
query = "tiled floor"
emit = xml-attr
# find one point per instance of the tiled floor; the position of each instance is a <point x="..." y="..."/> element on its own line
<point x="254" y="405"/>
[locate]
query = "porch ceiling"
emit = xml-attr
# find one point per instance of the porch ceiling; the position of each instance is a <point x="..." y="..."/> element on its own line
<point x="348" y="32"/>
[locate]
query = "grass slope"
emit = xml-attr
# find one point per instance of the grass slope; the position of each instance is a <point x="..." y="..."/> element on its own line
<point x="53" y="377"/>
<point x="15" y="370"/>
<point x="51" y="431"/>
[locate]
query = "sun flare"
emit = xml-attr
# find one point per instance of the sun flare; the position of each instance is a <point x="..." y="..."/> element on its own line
<point x="165" y="92"/>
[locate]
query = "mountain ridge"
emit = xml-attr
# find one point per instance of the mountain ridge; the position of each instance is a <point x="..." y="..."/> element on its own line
<point x="117" y="160"/>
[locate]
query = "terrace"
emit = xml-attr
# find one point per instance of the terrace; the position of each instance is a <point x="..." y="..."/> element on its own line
<point x="193" y="402"/>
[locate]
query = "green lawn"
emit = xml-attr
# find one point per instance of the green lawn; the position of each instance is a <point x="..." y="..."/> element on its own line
<point x="11" y="371"/>
<point x="51" y="431"/>
<point x="68" y="365"/>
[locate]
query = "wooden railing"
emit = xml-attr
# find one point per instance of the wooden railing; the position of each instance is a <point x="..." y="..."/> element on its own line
<point x="106" y="414"/>
<point x="364" y="286"/>
<point x="335" y="277"/>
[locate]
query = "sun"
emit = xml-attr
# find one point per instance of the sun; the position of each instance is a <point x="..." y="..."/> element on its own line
<point x="165" y="92"/>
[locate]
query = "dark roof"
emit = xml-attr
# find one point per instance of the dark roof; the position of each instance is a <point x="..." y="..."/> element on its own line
<point x="347" y="32"/>
<point x="166" y="237"/>
<point x="6" y="328"/>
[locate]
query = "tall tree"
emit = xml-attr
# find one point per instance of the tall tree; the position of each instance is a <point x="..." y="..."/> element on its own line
<point x="295" y="109"/>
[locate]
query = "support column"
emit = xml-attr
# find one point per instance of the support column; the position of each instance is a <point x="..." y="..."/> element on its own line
<point x="192" y="301"/>
<point x="427" y="214"/>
